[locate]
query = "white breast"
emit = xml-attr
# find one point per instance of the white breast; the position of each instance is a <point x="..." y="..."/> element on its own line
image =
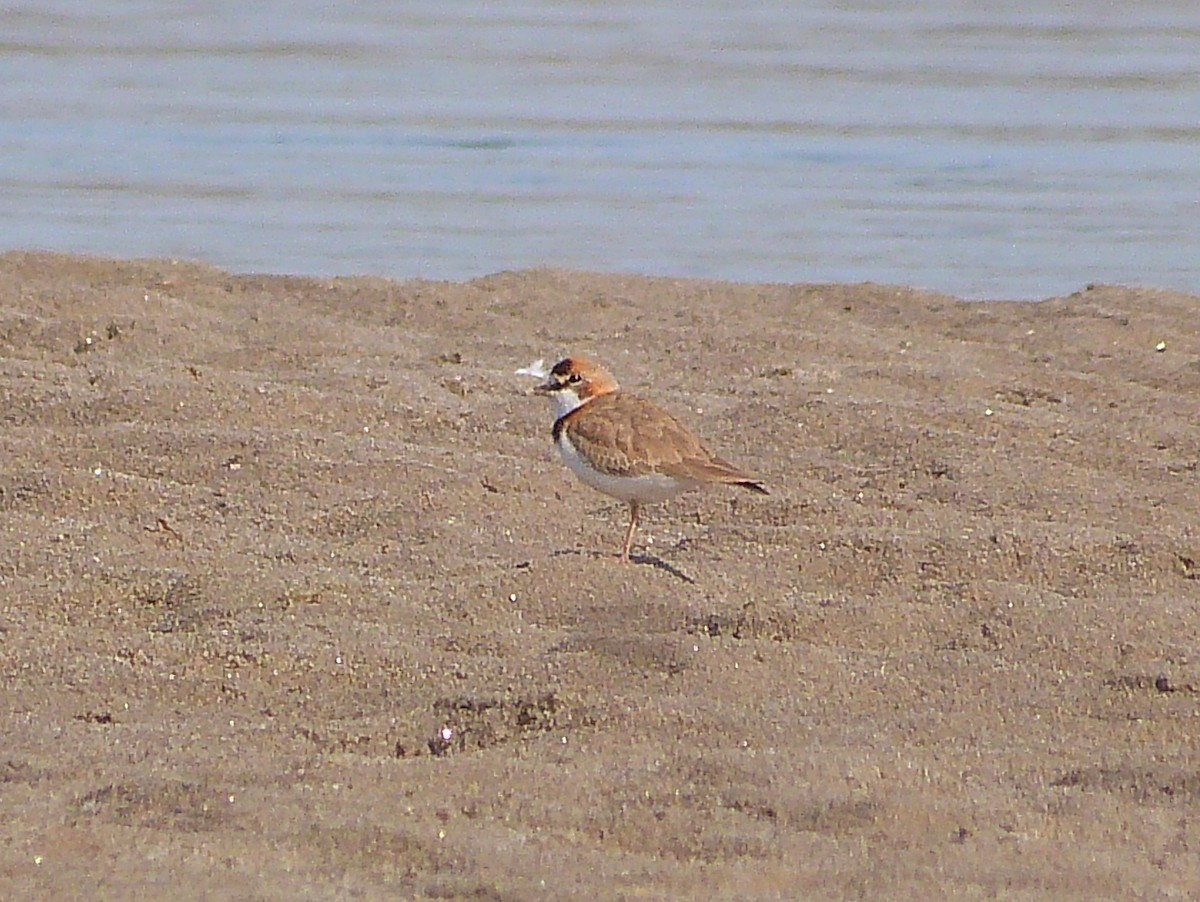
<point x="643" y="489"/>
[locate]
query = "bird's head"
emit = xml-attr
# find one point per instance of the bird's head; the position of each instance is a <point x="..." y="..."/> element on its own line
<point x="574" y="381"/>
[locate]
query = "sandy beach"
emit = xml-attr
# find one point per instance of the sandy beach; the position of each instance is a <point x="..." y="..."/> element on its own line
<point x="297" y="600"/>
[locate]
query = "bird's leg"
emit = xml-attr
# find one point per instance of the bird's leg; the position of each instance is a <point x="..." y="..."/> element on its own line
<point x="633" y="519"/>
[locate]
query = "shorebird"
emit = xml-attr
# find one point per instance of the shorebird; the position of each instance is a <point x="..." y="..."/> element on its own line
<point x="627" y="446"/>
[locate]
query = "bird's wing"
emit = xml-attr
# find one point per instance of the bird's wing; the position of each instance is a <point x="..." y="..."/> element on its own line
<point x="631" y="436"/>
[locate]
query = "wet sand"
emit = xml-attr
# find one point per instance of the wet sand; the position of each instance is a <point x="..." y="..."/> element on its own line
<point x="297" y="601"/>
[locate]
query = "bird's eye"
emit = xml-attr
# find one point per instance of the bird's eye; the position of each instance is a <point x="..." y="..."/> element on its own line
<point x="575" y="378"/>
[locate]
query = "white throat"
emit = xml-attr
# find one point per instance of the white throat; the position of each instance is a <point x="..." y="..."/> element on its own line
<point x="565" y="401"/>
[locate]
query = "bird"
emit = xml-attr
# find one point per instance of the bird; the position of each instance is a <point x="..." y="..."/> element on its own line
<point x="626" y="446"/>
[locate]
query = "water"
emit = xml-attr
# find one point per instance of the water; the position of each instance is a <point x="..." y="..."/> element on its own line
<point x="1019" y="151"/>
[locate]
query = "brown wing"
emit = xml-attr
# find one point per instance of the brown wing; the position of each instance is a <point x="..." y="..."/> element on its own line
<point x="630" y="436"/>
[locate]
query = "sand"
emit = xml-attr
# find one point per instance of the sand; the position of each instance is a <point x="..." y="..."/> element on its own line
<point x="298" y="602"/>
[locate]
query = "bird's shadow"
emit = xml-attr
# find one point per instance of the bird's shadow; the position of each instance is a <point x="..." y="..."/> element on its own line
<point x="659" y="564"/>
<point x="639" y="559"/>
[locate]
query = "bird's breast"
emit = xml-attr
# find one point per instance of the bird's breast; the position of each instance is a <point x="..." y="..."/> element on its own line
<point x="646" y="488"/>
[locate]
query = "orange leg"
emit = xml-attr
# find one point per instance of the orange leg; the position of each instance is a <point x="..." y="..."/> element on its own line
<point x="633" y="520"/>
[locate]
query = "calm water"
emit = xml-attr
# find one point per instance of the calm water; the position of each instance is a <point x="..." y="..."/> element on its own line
<point x="1015" y="152"/>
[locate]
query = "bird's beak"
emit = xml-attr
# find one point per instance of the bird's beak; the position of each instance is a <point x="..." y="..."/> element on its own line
<point x="545" y="388"/>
